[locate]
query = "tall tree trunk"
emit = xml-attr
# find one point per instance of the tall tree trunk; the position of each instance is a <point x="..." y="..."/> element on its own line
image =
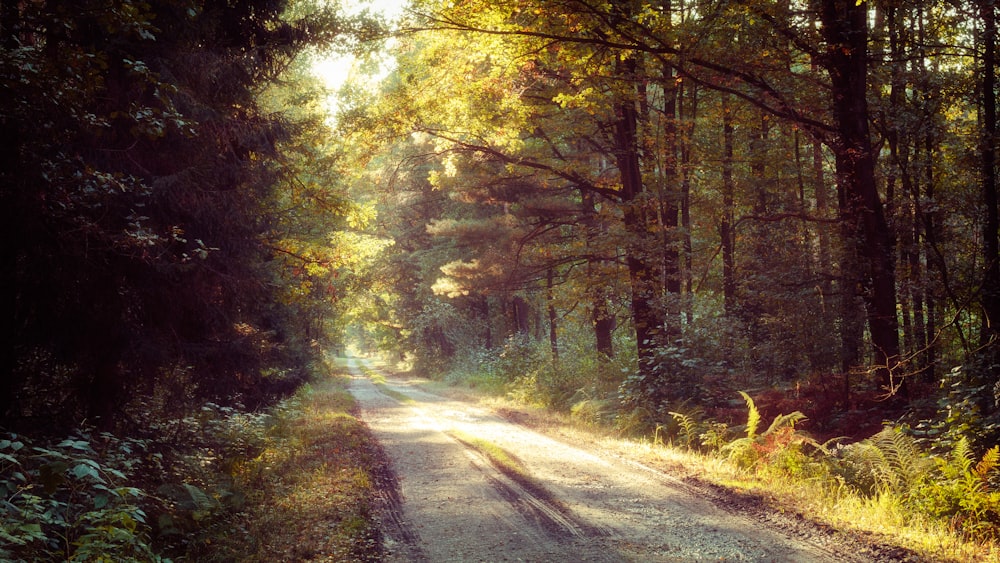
<point x="670" y="209"/>
<point x="924" y="221"/>
<point x="758" y="256"/>
<point x="726" y="222"/>
<point x="845" y="28"/>
<point x="990" y="330"/>
<point x="689" y="114"/>
<point x="602" y="319"/>
<point x="551" y="302"/>
<point x="647" y="314"/>
<point x="521" y="316"/>
<point x="824" y="262"/>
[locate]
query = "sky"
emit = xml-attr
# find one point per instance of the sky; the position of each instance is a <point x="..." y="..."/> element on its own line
<point x="335" y="68"/>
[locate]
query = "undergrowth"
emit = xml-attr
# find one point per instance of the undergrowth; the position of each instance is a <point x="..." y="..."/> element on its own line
<point x="310" y="489"/>
<point x="291" y="483"/>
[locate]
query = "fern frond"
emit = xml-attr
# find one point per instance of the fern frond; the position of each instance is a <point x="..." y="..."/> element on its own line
<point x="903" y="456"/>
<point x="690" y="425"/>
<point x="989" y="462"/>
<point x="961" y="456"/>
<point x="687" y="424"/>
<point x="753" y="416"/>
<point x="879" y="467"/>
<point x="783" y="420"/>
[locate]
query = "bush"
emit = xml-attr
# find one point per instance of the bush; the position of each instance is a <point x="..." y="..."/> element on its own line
<point x="967" y="407"/>
<point x="69" y="501"/>
<point x="673" y="377"/>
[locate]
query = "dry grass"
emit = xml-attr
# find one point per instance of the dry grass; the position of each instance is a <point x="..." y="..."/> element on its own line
<point x="310" y="493"/>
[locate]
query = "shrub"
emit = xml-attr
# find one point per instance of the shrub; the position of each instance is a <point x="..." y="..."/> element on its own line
<point x="954" y="486"/>
<point x="70" y="502"/>
<point x="672" y="377"/>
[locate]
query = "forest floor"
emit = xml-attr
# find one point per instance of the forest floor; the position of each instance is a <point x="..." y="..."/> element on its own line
<point x="466" y="483"/>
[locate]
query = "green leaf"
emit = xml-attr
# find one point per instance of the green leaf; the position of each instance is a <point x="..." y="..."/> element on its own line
<point x="11" y="444"/>
<point x="86" y="470"/>
<point x="81" y="445"/>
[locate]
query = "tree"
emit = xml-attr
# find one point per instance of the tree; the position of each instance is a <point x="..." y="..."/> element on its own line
<point x="991" y="223"/>
<point x="135" y="193"/>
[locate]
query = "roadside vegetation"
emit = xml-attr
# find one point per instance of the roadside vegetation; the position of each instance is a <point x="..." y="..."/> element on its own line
<point x="296" y="482"/>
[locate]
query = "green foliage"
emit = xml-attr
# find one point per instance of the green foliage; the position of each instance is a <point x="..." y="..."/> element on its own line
<point x="673" y="377"/>
<point x="140" y="196"/>
<point x="958" y="486"/>
<point x="691" y="426"/>
<point x="513" y="368"/>
<point x="208" y="449"/>
<point x="474" y="368"/>
<point x="964" y="491"/>
<point x="888" y="462"/>
<point x="70" y="501"/>
<point x="520" y="357"/>
<point x="967" y="407"/>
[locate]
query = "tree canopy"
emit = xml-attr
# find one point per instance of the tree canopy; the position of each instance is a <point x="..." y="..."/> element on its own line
<point x="734" y="195"/>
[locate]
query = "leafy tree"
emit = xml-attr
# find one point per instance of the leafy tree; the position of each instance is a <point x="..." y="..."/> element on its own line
<point x="136" y="187"/>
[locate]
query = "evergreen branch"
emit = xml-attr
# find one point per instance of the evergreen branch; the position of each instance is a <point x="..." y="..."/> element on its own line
<point x="573" y="177"/>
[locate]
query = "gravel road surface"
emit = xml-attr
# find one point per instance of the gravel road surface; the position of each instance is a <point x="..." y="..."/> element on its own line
<point x="444" y="501"/>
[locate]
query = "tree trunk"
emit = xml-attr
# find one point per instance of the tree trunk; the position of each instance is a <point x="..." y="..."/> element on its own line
<point x="846" y="31"/>
<point x="521" y="315"/>
<point x="991" y="223"/>
<point x="824" y="262"/>
<point x="670" y="209"/>
<point x="688" y="114"/>
<point x="603" y="320"/>
<point x="647" y="315"/>
<point x="553" y="333"/>
<point x="726" y="223"/>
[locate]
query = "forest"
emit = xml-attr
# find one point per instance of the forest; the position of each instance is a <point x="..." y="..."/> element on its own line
<point x="648" y="215"/>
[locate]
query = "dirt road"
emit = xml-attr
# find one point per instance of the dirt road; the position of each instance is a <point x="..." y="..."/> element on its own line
<point x="449" y="503"/>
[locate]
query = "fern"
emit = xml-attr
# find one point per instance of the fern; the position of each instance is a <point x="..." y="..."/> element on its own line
<point x="962" y="459"/>
<point x="779" y="446"/>
<point x="785" y="420"/>
<point x="889" y="462"/>
<point x="906" y="461"/>
<point x="990" y="461"/>
<point x="690" y="426"/>
<point x="962" y="467"/>
<point x="753" y="416"/>
<point x="961" y="491"/>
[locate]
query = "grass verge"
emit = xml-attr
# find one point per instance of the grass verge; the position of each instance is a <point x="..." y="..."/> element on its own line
<point x="310" y="492"/>
<point x="378" y="380"/>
